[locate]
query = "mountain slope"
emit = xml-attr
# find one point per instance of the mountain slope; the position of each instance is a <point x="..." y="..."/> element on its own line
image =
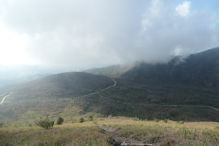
<point x="49" y="96"/>
<point x="114" y="71"/>
<point x="201" y="69"/>
<point x="182" y="89"/>
<point x="62" y="85"/>
<point x="193" y="80"/>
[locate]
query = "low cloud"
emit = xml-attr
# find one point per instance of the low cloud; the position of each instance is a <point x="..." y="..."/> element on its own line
<point x="184" y="8"/>
<point x="82" y="34"/>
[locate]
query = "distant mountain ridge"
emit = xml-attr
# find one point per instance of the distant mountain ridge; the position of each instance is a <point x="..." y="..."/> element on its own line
<point x="181" y="89"/>
<point x="185" y="88"/>
<point x="195" y="80"/>
<point x="201" y="69"/>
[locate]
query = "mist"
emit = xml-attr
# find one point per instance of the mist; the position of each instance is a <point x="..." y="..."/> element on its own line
<point x="84" y="34"/>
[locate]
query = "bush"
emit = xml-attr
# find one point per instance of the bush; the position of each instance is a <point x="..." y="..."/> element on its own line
<point x="46" y="124"/>
<point x="181" y="122"/>
<point x="60" y="121"/>
<point x="165" y="120"/>
<point x="81" y="120"/>
<point x="1" y="124"/>
<point x="156" y="120"/>
<point x="91" y="118"/>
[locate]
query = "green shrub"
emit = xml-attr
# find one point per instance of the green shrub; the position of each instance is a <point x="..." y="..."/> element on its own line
<point x="60" y="121"/>
<point x="46" y="124"/>
<point x="1" y="124"/>
<point x="180" y="122"/>
<point x="165" y="120"/>
<point x="156" y="120"/>
<point x="91" y="118"/>
<point x="81" y="120"/>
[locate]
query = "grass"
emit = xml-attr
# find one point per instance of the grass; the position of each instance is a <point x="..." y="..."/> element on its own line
<point x="89" y="133"/>
<point x="72" y="134"/>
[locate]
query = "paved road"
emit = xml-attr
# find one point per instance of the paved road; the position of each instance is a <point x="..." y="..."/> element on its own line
<point x="114" y="85"/>
<point x="202" y="106"/>
<point x="96" y="92"/>
<point x="183" y="105"/>
<point x="3" y="99"/>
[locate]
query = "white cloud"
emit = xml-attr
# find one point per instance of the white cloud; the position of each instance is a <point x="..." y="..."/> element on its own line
<point x="13" y="47"/>
<point x="184" y="8"/>
<point x="151" y="13"/>
<point x="94" y="33"/>
<point x="178" y="51"/>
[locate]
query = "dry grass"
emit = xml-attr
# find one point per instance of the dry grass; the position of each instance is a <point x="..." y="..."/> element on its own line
<point x="88" y="133"/>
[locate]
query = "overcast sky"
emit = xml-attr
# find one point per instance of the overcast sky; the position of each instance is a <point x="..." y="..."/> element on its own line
<point x="90" y="33"/>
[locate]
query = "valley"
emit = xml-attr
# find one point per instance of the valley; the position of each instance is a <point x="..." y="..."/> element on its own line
<point x="109" y="73"/>
<point x="174" y="103"/>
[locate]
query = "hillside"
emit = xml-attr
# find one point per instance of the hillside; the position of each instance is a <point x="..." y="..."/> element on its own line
<point x="114" y="71"/>
<point x="182" y="89"/>
<point x="62" y="85"/>
<point x="192" y="80"/>
<point x="201" y="69"/>
<point x="49" y="96"/>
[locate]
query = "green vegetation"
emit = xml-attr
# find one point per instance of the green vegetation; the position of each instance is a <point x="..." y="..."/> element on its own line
<point x="81" y="120"/>
<point x="91" y="118"/>
<point x="180" y="122"/>
<point x="60" y="121"/>
<point x="178" y="90"/>
<point x="156" y="120"/>
<point x="150" y="94"/>
<point x="165" y="120"/>
<point x="88" y="133"/>
<point x="127" y="99"/>
<point x="72" y="84"/>
<point x="46" y="124"/>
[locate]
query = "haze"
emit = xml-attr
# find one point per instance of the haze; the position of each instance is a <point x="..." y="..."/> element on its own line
<point x="83" y="34"/>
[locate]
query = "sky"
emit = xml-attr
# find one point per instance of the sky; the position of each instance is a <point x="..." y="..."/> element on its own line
<point x="79" y="34"/>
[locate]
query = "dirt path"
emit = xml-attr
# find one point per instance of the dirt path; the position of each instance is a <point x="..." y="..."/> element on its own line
<point x="116" y="140"/>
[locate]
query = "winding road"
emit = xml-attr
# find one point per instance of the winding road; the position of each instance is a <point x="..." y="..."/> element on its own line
<point x="114" y="85"/>
<point x="3" y="99"/>
<point x="96" y="92"/>
<point x="200" y="106"/>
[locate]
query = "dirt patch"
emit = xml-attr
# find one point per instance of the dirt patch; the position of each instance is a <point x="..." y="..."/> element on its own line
<point x="116" y="140"/>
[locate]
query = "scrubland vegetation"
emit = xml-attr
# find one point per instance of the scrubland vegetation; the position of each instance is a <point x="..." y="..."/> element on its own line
<point x="89" y="132"/>
<point x="162" y="106"/>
